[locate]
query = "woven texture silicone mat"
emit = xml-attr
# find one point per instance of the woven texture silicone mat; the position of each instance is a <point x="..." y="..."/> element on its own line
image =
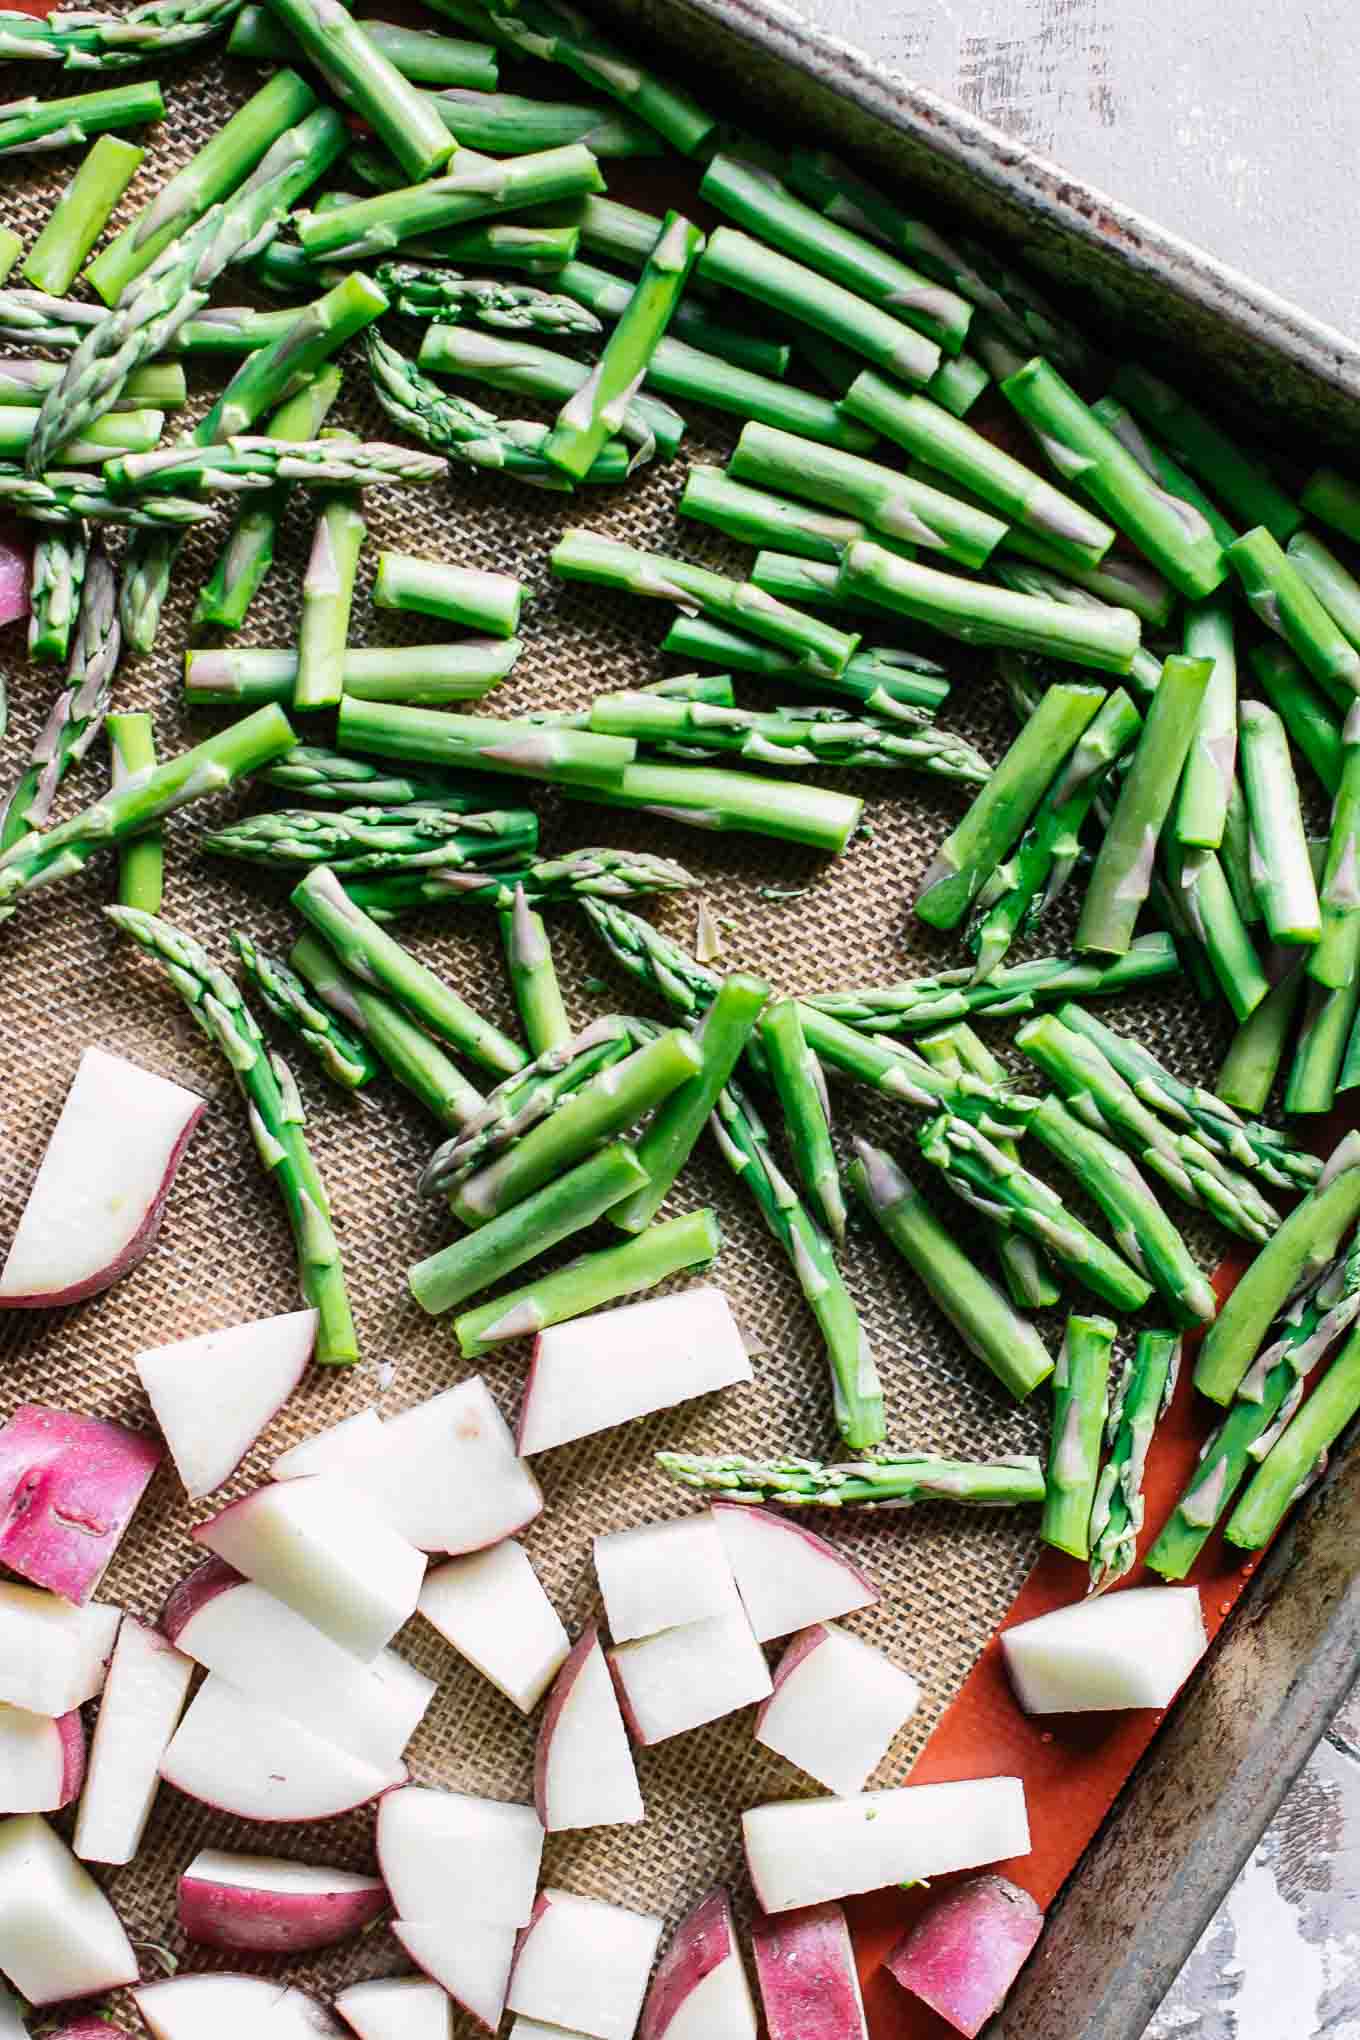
<point x="224" y="1255"/>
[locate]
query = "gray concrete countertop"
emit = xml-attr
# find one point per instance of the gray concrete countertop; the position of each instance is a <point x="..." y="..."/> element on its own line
<point x="1239" y="128"/>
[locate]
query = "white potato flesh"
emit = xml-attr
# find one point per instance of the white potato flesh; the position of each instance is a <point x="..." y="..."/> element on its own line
<point x="447" y="1857"/>
<point x="584" y="1774"/>
<point x="836" y="1706"/>
<point x="396" y="2008"/>
<point x="490" y="1606"/>
<point x="471" y="1960"/>
<point x="448" y="1476"/>
<point x="684" y="1677"/>
<point x="53" y="1656"/>
<point x="144" y="1697"/>
<point x="663" y="1574"/>
<point x="59" y="1936"/>
<point x="584" y="1965"/>
<point x="231" y="1753"/>
<point x="788" y="1577"/>
<point x="346" y="1445"/>
<point x="213" y="1395"/>
<point x="226" y="2007"/>
<point x="1135" y="1648"/>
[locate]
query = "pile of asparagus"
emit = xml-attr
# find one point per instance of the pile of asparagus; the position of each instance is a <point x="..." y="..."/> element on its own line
<point x="1136" y="571"/>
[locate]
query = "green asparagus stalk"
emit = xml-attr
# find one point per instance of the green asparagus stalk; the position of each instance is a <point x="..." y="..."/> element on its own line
<point x="275" y="372"/>
<point x="273" y="1103"/>
<point x="251" y="461"/>
<point x="1235" y="478"/>
<point x="1282" y="873"/>
<point x="160" y="386"/>
<point x="605" y="296"/>
<point x="542" y="373"/>
<point x="1285" y="603"/>
<point x="984" y="1176"/>
<point x="856" y="1389"/>
<point x="1335" y="586"/>
<point x="71" y="496"/>
<point x="1157" y="462"/>
<point x="454" y="299"/>
<point x="1312" y="723"/>
<point x="521" y="749"/>
<point x="127" y="811"/>
<point x="1080" y="1407"/>
<point x="419" y="1065"/>
<point x="1125" y="862"/>
<point x="609" y="1105"/>
<point x="248" y="553"/>
<point x="506" y="124"/>
<point x="327" y="598"/>
<point x="886" y="683"/>
<point x="375" y="839"/>
<point x="529" y="962"/>
<point x="11" y="248"/>
<point x="29" y="125"/>
<point x="758" y="201"/>
<point x="988" y="1325"/>
<point x="1302" y="1246"/>
<point x="213" y="175"/>
<point x="1173" y="535"/>
<point x="422" y="675"/>
<point x="1026" y="884"/>
<point x="1202" y="802"/>
<point x="985" y="1099"/>
<point x="583" y="1285"/>
<point x="1145" y="1389"/>
<point x="888" y="1480"/>
<point x="471" y="596"/>
<point x="420" y="55"/>
<point x="708" y="797"/>
<point x="1299" y="1456"/>
<point x="1199" y="885"/>
<point x="759" y="517"/>
<point x="1335" y="500"/>
<point x="31" y="318"/>
<point x="141" y="862"/>
<point x="907" y="1007"/>
<point x="81" y="214"/>
<point x="366" y="80"/>
<point x="579" y="875"/>
<point x="1235" y="855"/>
<point x="327" y="778"/>
<point x="681" y="368"/>
<point x="791" y="736"/>
<point x="110" y="42"/>
<point x="536" y="250"/>
<point x="1247" y="1073"/>
<point x="800" y="1088"/>
<point x="1336" y="959"/>
<point x="978" y="613"/>
<point x="341" y="1053"/>
<point x="816" y="646"/>
<point x="77" y="715"/>
<point x="1145" y="1234"/>
<point x="60" y="555"/>
<point x="471" y="190"/>
<point x="1320" y="1047"/>
<point x="372" y="957"/>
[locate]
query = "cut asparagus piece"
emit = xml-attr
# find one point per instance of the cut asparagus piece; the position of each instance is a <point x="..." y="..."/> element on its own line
<point x="1247" y="1073"/>
<point x="800" y="1088"/>
<point x="419" y="54"/>
<point x="789" y="737"/>
<point x="1335" y="586"/>
<point x="1202" y="802"/>
<point x="60" y="556"/>
<point x="886" y="683"/>
<point x="581" y="874"/>
<point x="364" y="78"/>
<point x="77" y="715"/>
<point x="273" y="373"/>
<point x="533" y="977"/>
<point x="929" y="1083"/>
<point x="252" y="461"/>
<point x="1144" y="1392"/>
<point x="1312" y="722"/>
<point x="273" y="1104"/>
<point x="329" y="779"/>
<point x="1299" y="1456"/>
<point x="409" y="675"/>
<point x="913" y="1004"/>
<point x="521" y="749"/>
<point x="520" y="366"/>
<point x="507" y="124"/>
<point x="1125" y="862"/>
<point x="327" y="597"/>
<point x="141" y="861"/>
<point x="1320" y="1047"/>
<point x="33" y="124"/>
<point x="1080" y="1406"/>
<point x="1285" y="603"/>
<point x="1238" y="480"/>
<point x="888" y="1480"/>
<point x="1282" y="872"/>
<point x="760" y="517"/>
<point x="1157" y="462"/>
<point x="384" y="840"/>
<point x="340" y="1051"/>
<point x="988" y="1325"/>
<point x="472" y="189"/>
<point x="605" y="295"/>
<point x="471" y="596"/>
<point x="1197" y="881"/>
<point x="455" y="299"/>
<point x="1331" y="497"/>
<point x="706" y="797"/>
<point x="81" y="214"/>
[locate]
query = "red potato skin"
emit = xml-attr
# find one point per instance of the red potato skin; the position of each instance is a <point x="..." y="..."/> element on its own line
<point x="69" y="1486"/>
<point x="255" y="1920"/>
<point x="805" y="1966"/>
<point x="800" y="1647"/>
<point x="703" y="1941"/>
<point x="71" y="1730"/>
<point x="966" y="1950"/>
<point x="558" y="1695"/>
<point x="531" y="1375"/>
<point x="14" y="576"/>
<point x="82" y="2029"/>
<point x="202" y="1585"/>
<point x="135" y="1250"/>
<point x="820" y="1545"/>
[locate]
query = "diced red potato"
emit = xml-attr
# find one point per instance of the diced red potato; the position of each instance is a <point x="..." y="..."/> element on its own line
<point x="90" y="2028"/>
<point x="787" y="1575"/>
<point x="281" y="1661"/>
<point x="449" y="1857"/>
<point x="592" y="1373"/>
<point x="470" y="1959"/>
<point x="143" y="1698"/>
<point x="42" y="1760"/>
<point x="213" y="2007"/>
<point x="490" y="1606"/>
<point x="584" y="1965"/>
<point x="59" y="1936"/>
<point x="534" y="2029"/>
<point x="1134" y="1648"/>
<point x="320" y="1548"/>
<point x="583" y="1768"/>
<point x="53" y="1656"/>
<point x="700" y="1991"/>
<point x="99" y="1195"/>
<point x="15" y="567"/>
<point x="685" y="1677"/>
<point x="231" y="1753"/>
<point x="805" y="1966"/>
<point x="966" y="1950"/>
<point x="836" y="1706"/>
<point x="663" y="1574"/>
<point x="803" y="1851"/>
<point x="349" y="1444"/>
<point x="265" y="1905"/>
<point x="69" y="1487"/>
<point x="397" y="2008"/>
<point x="253" y="1369"/>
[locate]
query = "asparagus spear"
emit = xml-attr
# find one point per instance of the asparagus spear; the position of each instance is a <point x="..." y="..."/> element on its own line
<point x="329" y="778"/>
<point x="1144" y="1393"/>
<point x="109" y="42"/>
<point x="419" y="675"/>
<point x="1330" y="580"/>
<point x="252" y="461"/>
<point x="890" y="1480"/>
<point x="1312" y="722"/>
<point x="800" y="1088"/>
<point x="60" y="555"/>
<point x="1240" y="481"/>
<point x="474" y="187"/>
<point x="211" y="176"/>
<point x="452" y="298"/>
<point x="887" y="683"/>
<point x="141" y="862"/>
<point x="367" y="80"/>
<point x="538" y="249"/>
<point x="1320" y="1048"/>
<point x="978" y="613"/>
<point x="1286" y="604"/>
<point x="816" y="646"/>
<point x="1235" y="855"/>
<point x="986" y="1100"/>
<point x="507" y="124"/>
<point x="248" y="553"/>
<point x="470" y="596"/>
<point x="1026" y="884"/>
<point x="77" y="715"/>
<point x="1202" y="802"/>
<point x="579" y="875"/>
<point x="1247" y="1074"/>
<point x="81" y="214"/>
<point x="1080" y="1406"/>
<point x="419" y="54"/>
<point x="32" y="318"/>
<point x="913" y="1004"/>
<point x="706" y="797"/>
<point x="160" y="386"/>
<point x="372" y="840"/>
<point x="522" y="749"/>
<point x="60" y="498"/>
<point x="540" y="372"/>
<point x="273" y="1103"/>
<point x="274" y="372"/>
<point x="529" y="961"/>
<point x="1199" y="884"/>
<point x="1173" y="535"/>
<point x="1157" y="462"/>
<point x="126" y="811"/>
<point x="1332" y="498"/>
<point x="988" y="1325"/>
<point x="32" y="124"/>
<point x="984" y="1176"/>
<point x="760" y="517"/>
<point x="790" y="736"/>
<point x="1126" y="859"/>
<point x="341" y="1052"/>
<point x="589" y="1281"/>
<point x="327" y="598"/>
<point x="1299" y="1456"/>
<point x="1282" y="872"/>
<point x="372" y="957"/>
<point x="856" y="1389"/>
<point x="604" y="296"/>
<point x="419" y="1065"/>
